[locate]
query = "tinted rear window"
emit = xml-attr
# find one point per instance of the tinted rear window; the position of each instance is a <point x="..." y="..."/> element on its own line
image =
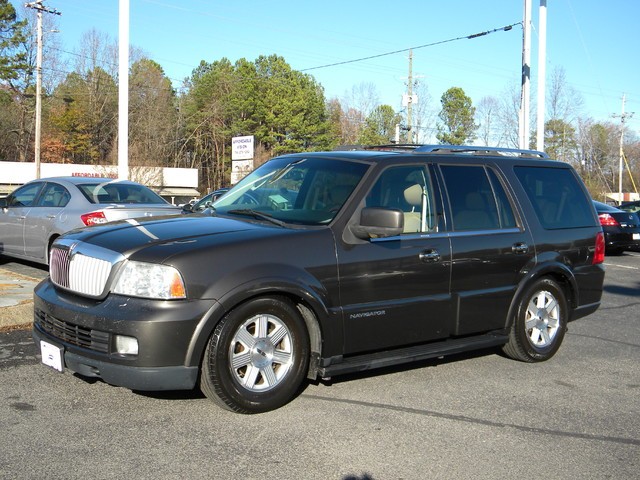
<point x="113" y="192"/>
<point x="557" y="197"/>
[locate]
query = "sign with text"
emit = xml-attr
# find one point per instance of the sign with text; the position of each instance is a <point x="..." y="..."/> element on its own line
<point x="242" y="148"/>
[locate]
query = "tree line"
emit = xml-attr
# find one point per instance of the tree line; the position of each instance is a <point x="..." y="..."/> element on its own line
<point x="286" y="110"/>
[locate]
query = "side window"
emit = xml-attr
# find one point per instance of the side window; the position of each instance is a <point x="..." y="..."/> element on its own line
<point x="407" y="188"/>
<point x="54" y="195"/>
<point x="477" y="198"/>
<point x="24" y="196"/>
<point x="556" y="196"/>
<point x="505" y="210"/>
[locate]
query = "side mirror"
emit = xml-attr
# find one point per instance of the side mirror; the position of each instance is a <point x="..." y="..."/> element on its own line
<point x="187" y="207"/>
<point x="3" y="202"/>
<point x="378" y="222"/>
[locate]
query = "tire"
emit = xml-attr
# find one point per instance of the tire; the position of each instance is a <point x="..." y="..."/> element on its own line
<point x="257" y="356"/>
<point x="540" y="323"/>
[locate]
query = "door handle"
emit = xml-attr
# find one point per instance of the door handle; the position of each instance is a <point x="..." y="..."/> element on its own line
<point x="519" y="248"/>
<point x="429" y="256"/>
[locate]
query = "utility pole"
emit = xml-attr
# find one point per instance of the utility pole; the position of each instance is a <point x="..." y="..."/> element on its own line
<point x="37" y="5"/>
<point x="623" y="117"/>
<point x="410" y="100"/>
<point x="526" y="77"/>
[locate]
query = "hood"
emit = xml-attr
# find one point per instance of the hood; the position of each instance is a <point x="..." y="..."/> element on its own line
<point x="131" y="235"/>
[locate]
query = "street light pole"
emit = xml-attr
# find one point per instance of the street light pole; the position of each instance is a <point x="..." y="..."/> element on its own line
<point x="123" y="90"/>
<point x="542" y="72"/>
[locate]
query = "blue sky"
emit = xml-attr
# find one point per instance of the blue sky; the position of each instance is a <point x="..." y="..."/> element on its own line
<point x="595" y="42"/>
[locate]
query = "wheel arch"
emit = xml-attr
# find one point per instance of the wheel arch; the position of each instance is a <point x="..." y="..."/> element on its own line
<point x="312" y="309"/>
<point x="556" y="271"/>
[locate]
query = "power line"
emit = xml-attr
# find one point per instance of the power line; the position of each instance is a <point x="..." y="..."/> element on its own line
<point x="474" y="35"/>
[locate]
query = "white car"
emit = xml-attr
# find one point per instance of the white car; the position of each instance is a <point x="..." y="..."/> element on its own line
<point x="34" y="215"/>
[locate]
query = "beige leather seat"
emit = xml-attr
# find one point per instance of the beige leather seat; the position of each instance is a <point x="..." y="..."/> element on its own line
<point x="412" y="219"/>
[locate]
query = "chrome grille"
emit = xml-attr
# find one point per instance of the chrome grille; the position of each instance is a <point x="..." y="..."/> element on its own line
<point x="59" y="266"/>
<point x="88" y="275"/>
<point x="70" y="267"/>
<point x="73" y="334"/>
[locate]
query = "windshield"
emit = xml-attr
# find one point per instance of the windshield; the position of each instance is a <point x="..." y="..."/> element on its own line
<point x="305" y="191"/>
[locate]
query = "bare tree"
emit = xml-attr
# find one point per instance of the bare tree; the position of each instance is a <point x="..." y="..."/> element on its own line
<point x="97" y="50"/>
<point x="363" y="98"/>
<point x="487" y="116"/>
<point x="563" y="101"/>
<point x="356" y="106"/>
<point x="508" y="116"/>
<point x="424" y="115"/>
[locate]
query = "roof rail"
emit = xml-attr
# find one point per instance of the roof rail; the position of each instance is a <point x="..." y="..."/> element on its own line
<point x="479" y="150"/>
<point x="389" y="147"/>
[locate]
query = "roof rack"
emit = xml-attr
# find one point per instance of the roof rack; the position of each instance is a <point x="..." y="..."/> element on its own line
<point x="452" y="149"/>
<point x="479" y="150"/>
<point x="389" y="147"/>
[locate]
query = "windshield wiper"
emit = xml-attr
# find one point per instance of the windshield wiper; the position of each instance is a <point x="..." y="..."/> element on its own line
<point x="256" y="214"/>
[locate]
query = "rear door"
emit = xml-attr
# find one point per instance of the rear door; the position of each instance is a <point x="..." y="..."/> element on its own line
<point x="42" y="220"/>
<point x="491" y="247"/>
<point x="395" y="291"/>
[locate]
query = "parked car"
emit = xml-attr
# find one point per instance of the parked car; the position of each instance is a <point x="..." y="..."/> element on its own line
<point x="320" y="264"/>
<point x="38" y="212"/>
<point x="621" y="228"/>
<point x="205" y="202"/>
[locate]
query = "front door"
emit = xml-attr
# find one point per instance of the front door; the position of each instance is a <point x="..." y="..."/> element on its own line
<point x="395" y="291"/>
<point x="13" y="218"/>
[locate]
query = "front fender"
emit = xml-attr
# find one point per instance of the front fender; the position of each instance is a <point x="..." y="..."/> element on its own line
<point x="325" y="325"/>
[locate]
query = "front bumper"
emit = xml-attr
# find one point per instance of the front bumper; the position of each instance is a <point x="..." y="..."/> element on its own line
<point x="167" y="331"/>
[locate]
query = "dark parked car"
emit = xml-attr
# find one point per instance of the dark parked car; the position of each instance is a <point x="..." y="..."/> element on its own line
<point x="320" y="264"/>
<point x="38" y="212"/>
<point x="205" y="202"/>
<point x="621" y="228"/>
<point x="633" y="207"/>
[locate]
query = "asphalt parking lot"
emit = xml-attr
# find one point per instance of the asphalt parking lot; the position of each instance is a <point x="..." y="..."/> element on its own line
<point x="471" y="416"/>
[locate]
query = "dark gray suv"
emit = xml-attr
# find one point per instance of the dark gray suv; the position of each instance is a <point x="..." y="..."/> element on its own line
<point x="319" y="264"/>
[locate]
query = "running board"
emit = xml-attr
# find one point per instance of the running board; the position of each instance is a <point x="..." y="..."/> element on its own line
<point x="388" y="358"/>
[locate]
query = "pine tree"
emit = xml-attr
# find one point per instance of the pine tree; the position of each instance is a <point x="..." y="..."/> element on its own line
<point x="13" y="59"/>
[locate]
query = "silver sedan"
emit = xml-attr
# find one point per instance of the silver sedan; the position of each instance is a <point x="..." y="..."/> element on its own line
<point x="34" y="215"/>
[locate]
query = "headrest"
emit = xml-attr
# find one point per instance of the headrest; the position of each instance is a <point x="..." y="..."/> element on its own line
<point x="413" y="195"/>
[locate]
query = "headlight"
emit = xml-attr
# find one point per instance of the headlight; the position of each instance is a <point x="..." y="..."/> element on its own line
<point x="150" y="280"/>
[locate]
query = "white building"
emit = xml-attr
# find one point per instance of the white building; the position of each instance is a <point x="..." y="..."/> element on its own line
<point x="177" y="185"/>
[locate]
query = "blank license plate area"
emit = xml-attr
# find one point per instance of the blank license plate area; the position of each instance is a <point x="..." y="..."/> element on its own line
<point x="51" y="355"/>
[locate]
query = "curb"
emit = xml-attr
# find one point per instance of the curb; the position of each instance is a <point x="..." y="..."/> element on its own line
<point x="16" y="300"/>
<point x="16" y="317"/>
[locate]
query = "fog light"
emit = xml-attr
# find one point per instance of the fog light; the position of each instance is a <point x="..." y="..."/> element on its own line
<point x="126" y="345"/>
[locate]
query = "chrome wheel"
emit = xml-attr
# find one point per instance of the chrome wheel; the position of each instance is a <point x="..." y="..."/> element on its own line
<point x="260" y="353"/>
<point x="540" y="322"/>
<point x="257" y="356"/>
<point x="542" y="319"/>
